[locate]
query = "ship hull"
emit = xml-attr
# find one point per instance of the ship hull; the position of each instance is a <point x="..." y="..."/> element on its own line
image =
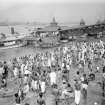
<point x="12" y="46"/>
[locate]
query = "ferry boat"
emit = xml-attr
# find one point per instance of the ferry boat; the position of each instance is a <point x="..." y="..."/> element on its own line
<point x="12" y="42"/>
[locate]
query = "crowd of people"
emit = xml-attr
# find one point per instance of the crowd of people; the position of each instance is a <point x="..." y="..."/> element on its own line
<point x="52" y="68"/>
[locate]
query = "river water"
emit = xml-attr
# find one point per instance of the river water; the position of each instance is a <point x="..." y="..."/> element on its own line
<point x="16" y="52"/>
<point x="8" y="54"/>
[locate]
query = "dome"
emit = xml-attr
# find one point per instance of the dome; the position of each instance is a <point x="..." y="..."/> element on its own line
<point x="53" y="23"/>
<point x="82" y="22"/>
<point x="98" y="22"/>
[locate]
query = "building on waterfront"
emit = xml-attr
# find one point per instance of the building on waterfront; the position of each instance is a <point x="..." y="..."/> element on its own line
<point x="51" y="30"/>
<point x="80" y="31"/>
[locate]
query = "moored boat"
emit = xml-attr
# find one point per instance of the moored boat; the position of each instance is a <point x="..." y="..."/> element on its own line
<point x="12" y="42"/>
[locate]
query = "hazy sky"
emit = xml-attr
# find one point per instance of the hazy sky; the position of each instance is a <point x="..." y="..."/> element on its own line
<point x="43" y="10"/>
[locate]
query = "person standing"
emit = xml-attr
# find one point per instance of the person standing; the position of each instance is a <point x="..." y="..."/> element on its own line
<point x="17" y="99"/>
<point x="43" y="82"/>
<point x="103" y="82"/>
<point x="77" y="92"/>
<point x="84" y="87"/>
<point x="43" y="86"/>
<point x="5" y="69"/>
<point x="34" y="84"/>
<point x="40" y="100"/>
<point x="53" y="78"/>
<point x="5" y="74"/>
<point x="77" y="77"/>
<point x="26" y="89"/>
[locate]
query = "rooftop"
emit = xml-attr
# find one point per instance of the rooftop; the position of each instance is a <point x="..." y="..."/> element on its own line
<point x="52" y="27"/>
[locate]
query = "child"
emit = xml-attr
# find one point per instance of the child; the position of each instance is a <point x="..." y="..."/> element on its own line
<point x="40" y="100"/>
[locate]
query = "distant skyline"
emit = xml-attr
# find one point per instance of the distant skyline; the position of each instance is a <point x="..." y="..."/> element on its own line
<point x="44" y="10"/>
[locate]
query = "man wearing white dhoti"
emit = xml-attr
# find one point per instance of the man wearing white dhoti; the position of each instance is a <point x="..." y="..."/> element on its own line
<point x="22" y="69"/>
<point x="49" y="62"/>
<point x="77" y="92"/>
<point x="1" y="70"/>
<point x="52" y="78"/>
<point x="43" y="82"/>
<point x="26" y="66"/>
<point x="34" y="84"/>
<point x="16" y="72"/>
<point x="43" y="86"/>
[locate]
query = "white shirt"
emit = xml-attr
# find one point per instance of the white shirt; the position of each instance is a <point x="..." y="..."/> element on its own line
<point x="27" y="72"/>
<point x="53" y="75"/>
<point x="1" y="70"/>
